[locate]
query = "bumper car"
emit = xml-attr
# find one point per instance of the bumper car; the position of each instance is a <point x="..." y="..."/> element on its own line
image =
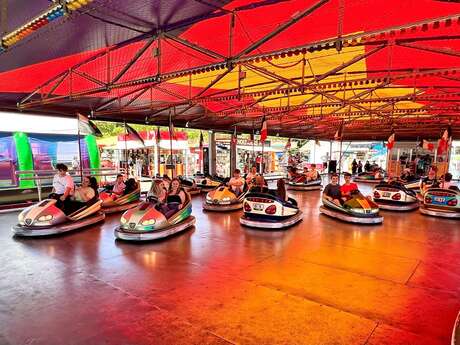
<point x="358" y="210"/>
<point x="207" y="183"/>
<point x="441" y="202"/>
<point x="130" y="199"/>
<point x="45" y="218"/>
<point x="267" y="211"/>
<point x="394" y="196"/>
<point x="223" y="199"/>
<point x="147" y="222"/>
<point x="301" y="183"/>
<point x="189" y="186"/>
<point x="412" y="185"/>
<point x="367" y="177"/>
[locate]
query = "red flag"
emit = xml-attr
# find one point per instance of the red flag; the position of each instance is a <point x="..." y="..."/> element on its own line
<point x="443" y="143"/>
<point x="263" y="131"/>
<point x="158" y="135"/>
<point x="425" y="144"/>
<point x="391" y="140"/>
<point x="172" y="134"/>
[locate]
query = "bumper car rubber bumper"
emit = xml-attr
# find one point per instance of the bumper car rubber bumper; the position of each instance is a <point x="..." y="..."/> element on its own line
<point x="439" y="213"/>
<point x="349" y="218"/>
<point x="23" y="231"/>
<point x="301" y="187"/>
<point x="154" y="235"/>
<point x="363" y="180"/>
<point x="387" y="206"/>
<point x="120" y="208"/>
<point x="222" y="208"/>
<point x="270" y="225"/>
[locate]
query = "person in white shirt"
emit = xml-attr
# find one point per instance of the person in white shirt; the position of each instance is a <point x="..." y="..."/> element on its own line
<point x="236" y="183"/>
<point x="139" y="165"/>
<point x="63" y="186"/>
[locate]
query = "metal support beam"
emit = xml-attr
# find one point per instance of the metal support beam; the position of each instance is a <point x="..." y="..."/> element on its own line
<point x="212" y="152"/>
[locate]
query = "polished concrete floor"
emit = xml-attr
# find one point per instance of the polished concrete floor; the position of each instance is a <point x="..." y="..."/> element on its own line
<point x="320" y="282"/>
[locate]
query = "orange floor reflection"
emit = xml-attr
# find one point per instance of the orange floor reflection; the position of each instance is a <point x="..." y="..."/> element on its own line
<point x="320" y="282"/>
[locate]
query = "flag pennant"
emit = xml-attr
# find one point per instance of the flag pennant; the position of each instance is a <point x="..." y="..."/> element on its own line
<point x="172" y="133"/>
<point x="201" y="140"/>
<point x="263" y="131"/>
<point x="158" y="135"/>
<point x="338" y="134"/>
<point x="426" y="145"/>
<point x="391" y="140"/>
<point x="86" y="126"/>
<point x="131" y="131"/>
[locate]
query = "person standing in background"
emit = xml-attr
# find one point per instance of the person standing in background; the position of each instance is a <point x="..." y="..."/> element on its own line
<point x="354" y="167"/>
<point x="139" y="164"/>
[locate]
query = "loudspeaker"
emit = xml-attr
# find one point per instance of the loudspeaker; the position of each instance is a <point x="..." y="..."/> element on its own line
<point x="332" y="167"/>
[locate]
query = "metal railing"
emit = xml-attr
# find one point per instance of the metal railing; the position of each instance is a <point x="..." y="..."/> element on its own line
<point x="39" y="175"/>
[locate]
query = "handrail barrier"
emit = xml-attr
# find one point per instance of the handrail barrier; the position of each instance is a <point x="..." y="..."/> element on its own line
<point x="39" y="175"/>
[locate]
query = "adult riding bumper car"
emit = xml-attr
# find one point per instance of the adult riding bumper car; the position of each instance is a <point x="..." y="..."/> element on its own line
<point x="441" y="202"/>
<point x="394" y="196"/>
<point x="300" y="183"/>
<point x="223" y="199"/>
<point x="129" y="199"/>
<point x="358" y="209"/>
<point x="189" y="185"/>
<point x="267" y="211"/>
<point x="147" y="221"/>
<point x="45" y="218"/>
<point x="207" y="183"/>
<point x="367" y="177"/>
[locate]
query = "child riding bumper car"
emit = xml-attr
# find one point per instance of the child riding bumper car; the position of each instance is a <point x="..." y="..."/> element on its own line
<point x="302" y="183"/>
<point x="395" y="196"/>
<point x="124" y="200"/>
<point x="309" y="180"/>
<point x="369" y="177"/>
<point x="149" y="221"/>
<point x="45" y="218"/>
<point x="357" y="209"/>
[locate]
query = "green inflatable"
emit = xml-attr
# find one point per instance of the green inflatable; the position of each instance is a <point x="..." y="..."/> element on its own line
<point x="25" y="158"/>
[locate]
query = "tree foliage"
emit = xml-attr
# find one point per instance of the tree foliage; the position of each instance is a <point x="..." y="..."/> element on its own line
<point x="109" y="129"/>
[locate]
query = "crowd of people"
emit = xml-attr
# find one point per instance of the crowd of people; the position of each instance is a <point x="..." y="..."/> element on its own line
<point x="171" y="197"/>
